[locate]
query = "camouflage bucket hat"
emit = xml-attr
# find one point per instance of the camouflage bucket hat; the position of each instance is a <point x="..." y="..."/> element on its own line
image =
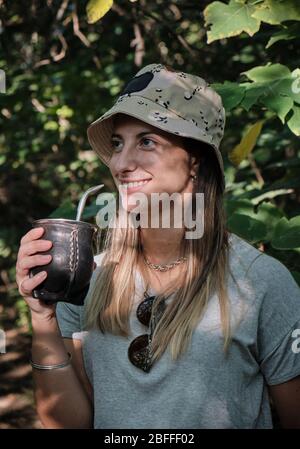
<point x="175" y="102"/>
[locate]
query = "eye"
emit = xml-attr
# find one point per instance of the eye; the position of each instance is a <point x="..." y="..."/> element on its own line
<point x="147" y="143"/>
<point x="115" y="144"/>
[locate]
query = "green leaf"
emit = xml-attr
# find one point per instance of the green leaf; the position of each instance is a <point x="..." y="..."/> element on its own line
<point x="294" y="122"/>
<point x="287" y="234"/>
<point x="293" y="162"/>
<point x="269" y="72"/>
<point x="238" y="206"/>
<point x="230" y="20"/>
<point x="65" y="210"/>
<point x="287" y="33"/>
<point x="231" y="93"/>
<point x="96" y="9"/>
<point x="266" y="213"/>
<point x="252" y="93"/>
<point x="277" y="11"/>
<point x="270" y="215"/>
<point x="257" y="196"/>
<point x="51" y="126"/>
<point x="90" y="211"/>
<point x="246" y="145"/>
<point x="277" y="88"/>
<point x="247" y="227"/>
<point x="280" y="104"/>
<point x="65" y="112"/>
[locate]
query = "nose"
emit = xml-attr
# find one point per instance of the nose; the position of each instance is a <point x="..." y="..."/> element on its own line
<point x="125" y="160"/>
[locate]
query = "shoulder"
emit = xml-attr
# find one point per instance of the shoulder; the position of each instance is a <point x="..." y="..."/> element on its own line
<point x="242" y="254"/>
<point x="256" y="264"/>
<point x="270" y="281"/>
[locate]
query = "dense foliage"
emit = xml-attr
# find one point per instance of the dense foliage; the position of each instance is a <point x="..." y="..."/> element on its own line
<point x="64" y="64"/>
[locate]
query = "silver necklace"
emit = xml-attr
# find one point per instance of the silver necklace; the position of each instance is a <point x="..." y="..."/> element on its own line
<point x="164" y="267"/>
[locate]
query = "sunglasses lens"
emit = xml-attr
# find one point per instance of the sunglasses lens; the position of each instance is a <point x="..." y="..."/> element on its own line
<point x="138" y="352"/>
<point x="143" y="311"/>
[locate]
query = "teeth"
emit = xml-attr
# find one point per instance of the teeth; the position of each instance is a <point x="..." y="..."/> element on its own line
<point x="133" y="184"/>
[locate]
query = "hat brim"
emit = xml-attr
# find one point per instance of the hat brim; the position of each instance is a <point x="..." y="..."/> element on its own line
<point x="99" y="132"/>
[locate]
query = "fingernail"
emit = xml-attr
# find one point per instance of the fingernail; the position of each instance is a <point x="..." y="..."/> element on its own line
<point x="42" y="274"/>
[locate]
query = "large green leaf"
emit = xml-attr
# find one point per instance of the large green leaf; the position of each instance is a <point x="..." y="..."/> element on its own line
<point x="252" y="93"/>
<point x="277" y="11"/>
<point x="266" y="213"/>
<point x="247" y="227"/>
<point x="273" y="86"/>
<point x="287" y="233"/>
<point x="240" y="206"/>
<point x="230" y="20"/>
<point x="270" y="215"/>
<point x="277" y="88"/>
<point x="278" y="103"/>
<point x="231" y="93"/>
<point x="267" y="73"/>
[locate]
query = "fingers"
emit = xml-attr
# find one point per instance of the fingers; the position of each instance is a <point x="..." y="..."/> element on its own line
<point x="25" y="263"/>
<point x="28" y="284"/>
<point x="31" y="244"/>
<point x="33" y="234"/>
<point x="34" y="246"/>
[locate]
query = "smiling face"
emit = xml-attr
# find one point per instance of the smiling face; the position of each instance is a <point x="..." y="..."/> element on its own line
<point x="156" y="159"/>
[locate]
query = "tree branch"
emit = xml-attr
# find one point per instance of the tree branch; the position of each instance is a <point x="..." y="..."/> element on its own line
<point x="139" y="44"/>
<point x="77" y="31"/>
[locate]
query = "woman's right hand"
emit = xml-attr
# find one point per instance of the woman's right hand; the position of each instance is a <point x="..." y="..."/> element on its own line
<point x="28" y="257"/>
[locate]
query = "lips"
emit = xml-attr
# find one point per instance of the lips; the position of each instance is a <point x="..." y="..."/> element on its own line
<point x="133" y="180"/>
<point x="133" y="188"/>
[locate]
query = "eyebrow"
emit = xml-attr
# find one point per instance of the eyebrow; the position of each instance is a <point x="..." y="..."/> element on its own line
<point x="138" y="135"/>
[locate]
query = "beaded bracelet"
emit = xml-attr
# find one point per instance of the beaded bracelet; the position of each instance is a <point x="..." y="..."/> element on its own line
<point x="50" y="367"/>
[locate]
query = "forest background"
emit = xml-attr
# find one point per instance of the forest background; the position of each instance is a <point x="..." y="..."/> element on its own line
<point x="62" y="64"/>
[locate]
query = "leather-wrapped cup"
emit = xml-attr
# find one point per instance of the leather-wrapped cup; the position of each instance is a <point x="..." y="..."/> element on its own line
<point x="70" y="270"/>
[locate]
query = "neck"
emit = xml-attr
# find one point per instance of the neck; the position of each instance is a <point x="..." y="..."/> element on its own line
<point x="161" y="245"/>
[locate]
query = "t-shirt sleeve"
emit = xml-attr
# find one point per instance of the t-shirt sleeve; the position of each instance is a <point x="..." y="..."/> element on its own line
<point x="69" y="320"/>
<point x="69" y="316"/>
<point x="278" y="323"/>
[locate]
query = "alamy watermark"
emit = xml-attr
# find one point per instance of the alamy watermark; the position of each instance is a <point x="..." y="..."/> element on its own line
<point x="2" y="82"/>
<point x="2" y="342"/>
<point x="296" y="343"/>
<point x="157" y="210"/>
<point x="296" y="82"/>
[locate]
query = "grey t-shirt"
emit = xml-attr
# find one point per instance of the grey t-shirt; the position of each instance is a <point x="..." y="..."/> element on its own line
<point x="202" y="389"/>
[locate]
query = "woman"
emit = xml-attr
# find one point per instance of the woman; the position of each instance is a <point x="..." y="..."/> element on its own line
<point x="175" y="332"/>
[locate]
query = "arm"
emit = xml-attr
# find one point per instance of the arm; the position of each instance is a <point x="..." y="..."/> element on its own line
<point x="286" y="398"/>
<point x="74" y="347"/>
<point x="61" y="397"/>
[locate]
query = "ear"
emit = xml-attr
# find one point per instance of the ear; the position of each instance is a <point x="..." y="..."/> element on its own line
<point x="194" y="165"/>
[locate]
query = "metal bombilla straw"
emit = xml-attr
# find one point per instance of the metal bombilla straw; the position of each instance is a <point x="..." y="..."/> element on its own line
<point x="71" y="266"/>
<point x="83" y="199"/>
<point x="80" y="208"/>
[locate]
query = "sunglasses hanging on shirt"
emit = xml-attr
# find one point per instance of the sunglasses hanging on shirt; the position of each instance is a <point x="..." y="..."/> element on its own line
<point x="139" y="351"/>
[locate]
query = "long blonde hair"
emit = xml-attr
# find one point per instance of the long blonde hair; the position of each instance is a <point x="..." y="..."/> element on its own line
<point x="205" y="271"/>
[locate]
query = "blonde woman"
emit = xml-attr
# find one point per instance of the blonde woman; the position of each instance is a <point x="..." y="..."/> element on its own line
<point x="175" y="332"/>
